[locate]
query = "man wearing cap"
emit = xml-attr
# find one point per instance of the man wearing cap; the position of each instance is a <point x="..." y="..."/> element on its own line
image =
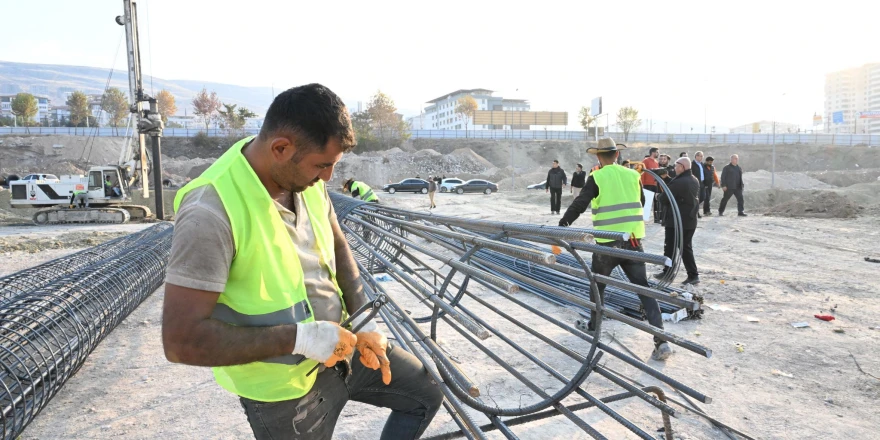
<point x="712" y="178"/>
<point x="615" y="195"/>
<point x="360" y="190"/>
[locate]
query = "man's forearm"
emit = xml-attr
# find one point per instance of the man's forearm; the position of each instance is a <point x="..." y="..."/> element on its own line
<point x="348" y="277"/>
<point x="213" y="343"/>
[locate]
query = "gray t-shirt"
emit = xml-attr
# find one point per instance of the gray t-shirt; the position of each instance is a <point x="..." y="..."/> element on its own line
<point x="203" y="249"/>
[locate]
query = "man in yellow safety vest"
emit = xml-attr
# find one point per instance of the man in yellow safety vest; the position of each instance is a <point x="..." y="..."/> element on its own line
<point x="360" y="190"/>
<point x="261" y="275"/>
<point x="618" y="208"/>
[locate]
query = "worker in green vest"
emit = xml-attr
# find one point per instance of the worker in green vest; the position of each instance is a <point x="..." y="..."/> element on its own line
<point x="79" y="198"/>
<point x="615" y="195"/>
<point x="360" y="190"/>
<point x="260" y="276"/>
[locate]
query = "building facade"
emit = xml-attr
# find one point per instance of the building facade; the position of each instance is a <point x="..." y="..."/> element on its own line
<point x="441" y="115"/>
<point x="43" y="106"/>
<point x="850" y="93"/>
<point x="766" y="127"/>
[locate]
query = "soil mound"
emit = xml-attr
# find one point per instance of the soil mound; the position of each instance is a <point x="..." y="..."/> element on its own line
<point x="819" y="204"/>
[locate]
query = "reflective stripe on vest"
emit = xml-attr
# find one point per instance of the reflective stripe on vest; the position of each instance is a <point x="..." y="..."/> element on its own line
<point x="618" y="207"/>
<point x="365" y="192"/>
<point x="265" y="286"/>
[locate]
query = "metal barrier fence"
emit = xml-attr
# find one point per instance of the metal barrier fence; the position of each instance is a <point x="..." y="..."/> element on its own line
<point x="538" y="135"/>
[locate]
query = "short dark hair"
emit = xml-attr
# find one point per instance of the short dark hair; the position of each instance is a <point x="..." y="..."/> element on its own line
<point x="683" y="154"/>
<point x="312" y="114"/>
<point x="607" y="155"/>
<point x="710" y="159"/>
<point x="580" y="166"/>
<point x="653" y="150"/>
<point x="555" y="161"/>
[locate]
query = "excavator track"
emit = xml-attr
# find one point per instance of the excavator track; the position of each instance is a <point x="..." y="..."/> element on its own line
<point x="137" y="212"/>
<point x="57" y="216"/>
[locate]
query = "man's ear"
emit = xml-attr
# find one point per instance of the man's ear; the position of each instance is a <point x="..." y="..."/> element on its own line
<point x="282" y="149"/>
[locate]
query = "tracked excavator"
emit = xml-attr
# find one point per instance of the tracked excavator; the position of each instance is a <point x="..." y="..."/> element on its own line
<point x="108" y="188"/>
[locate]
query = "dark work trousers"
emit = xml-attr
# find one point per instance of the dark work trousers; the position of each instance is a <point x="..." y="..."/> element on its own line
<point x="555" y="199"/>
<point x="687" y="249"/>
<point x="412" y="397"/>
<point x="635" y="271"/>
<point x="739" y="200"/>
<point x="656" y="206"/>
<point x="707" y="196"/>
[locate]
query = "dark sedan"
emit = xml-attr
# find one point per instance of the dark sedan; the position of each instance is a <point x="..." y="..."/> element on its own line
<point x="475" y="186"/>
<point x="407" y="185"/>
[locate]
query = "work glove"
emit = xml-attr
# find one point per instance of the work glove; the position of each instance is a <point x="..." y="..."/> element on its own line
<point x="372" y="344"/>
<point x="324" y="341"/>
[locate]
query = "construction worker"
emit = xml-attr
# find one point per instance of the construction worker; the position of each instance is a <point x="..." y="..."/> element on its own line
<point x="260" y="276"/>
<point x="616" y="197"/>
<point x="79" y="198"/>
<point x="360" y="190"/>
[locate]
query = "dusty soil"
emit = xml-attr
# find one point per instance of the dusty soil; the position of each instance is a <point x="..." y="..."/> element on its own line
<point x="787" y="383"/>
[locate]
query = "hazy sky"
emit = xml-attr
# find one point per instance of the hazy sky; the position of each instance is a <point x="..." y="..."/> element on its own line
<point x="669" y="59"/>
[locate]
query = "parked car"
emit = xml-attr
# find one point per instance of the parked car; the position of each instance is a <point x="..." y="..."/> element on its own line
<point x="537" y="185"/>
<point x="448" y="184"/>
<point x="411" y="185"/>
<point x="476" y="185"/>
<point x="35" y="177"/>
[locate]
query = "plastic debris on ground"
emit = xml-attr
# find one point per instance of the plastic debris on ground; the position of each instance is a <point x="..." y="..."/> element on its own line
<point x="824" y="317"/>
<point x="800" y="324"/>
<point x="782" y="373"/>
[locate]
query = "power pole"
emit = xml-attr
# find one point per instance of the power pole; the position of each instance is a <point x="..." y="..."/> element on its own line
<point x="149" y="122"/>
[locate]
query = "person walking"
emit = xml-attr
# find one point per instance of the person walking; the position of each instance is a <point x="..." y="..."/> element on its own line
<point x="615" y="195"/>
<point x="684" y="189"/>
<point x="360" y="190"/>
<point x="432" y="189"/>
<point x="556" y="180"/>
<point x="578" y="179"/>
<point x="712" y="180"/>
<point x="699" y="172"/>
<point x="261" y="275"/>
<point x="732" y="185"/>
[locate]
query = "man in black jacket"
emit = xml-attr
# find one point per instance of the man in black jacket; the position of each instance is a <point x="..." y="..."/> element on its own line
<point x="712" y="176"/>
<point x="732" y="185"/>
<point x="699" y="171"/>
<point x="556" y="180"/>
<point x="578" y="179"/>
<point x="685" y="191"/>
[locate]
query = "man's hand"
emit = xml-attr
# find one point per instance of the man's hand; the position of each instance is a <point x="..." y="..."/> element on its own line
<point x="324" y="341"/>
<point x="372" y="345"/>
<point x="724" y="188"/>
<point x="546" y="190"/>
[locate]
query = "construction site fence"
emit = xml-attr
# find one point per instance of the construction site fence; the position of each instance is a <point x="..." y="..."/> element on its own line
<point x="538" y="135"/>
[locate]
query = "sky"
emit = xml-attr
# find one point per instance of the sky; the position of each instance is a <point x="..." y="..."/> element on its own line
<point x="682" y="64"/>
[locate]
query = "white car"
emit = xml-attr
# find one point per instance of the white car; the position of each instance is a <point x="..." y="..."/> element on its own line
<point x="42" y="177"/>
<point x="537" y="185"/>
<point x="448" y="184"/>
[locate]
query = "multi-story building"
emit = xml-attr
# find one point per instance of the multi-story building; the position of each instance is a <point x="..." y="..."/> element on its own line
<point x="849" y="93"/>
<point x="43" y="105"/>
<point x="766" y="127"/>
<point x="441" y="115"/>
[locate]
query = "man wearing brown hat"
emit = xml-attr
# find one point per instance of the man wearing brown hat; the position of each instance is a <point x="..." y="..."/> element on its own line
<point x="617" y="208"/>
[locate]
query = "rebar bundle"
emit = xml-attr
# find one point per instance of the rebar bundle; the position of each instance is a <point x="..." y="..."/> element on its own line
<point x="48" y="326"/>
<point x="465" y="275"/>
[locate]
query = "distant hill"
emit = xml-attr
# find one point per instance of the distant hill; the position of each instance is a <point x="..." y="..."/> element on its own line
<point x="53" y="80"/>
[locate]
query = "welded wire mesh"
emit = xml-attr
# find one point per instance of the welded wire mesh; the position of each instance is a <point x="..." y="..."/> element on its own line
<point x="47" y="332"/>
<point x="456" y="277"/>
<point x="38" y="276"/>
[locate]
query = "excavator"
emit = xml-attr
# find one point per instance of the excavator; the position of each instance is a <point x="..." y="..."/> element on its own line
<point x="108" y="188"/>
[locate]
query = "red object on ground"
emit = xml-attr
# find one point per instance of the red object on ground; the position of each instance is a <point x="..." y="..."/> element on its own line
<point x="825" y="317"/>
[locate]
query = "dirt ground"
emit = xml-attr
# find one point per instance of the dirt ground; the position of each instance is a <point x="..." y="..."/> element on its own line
<point x="787" y="383"/>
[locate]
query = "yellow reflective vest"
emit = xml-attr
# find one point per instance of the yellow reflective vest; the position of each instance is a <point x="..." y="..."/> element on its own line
<point x="265" y="285"/>
<point x="618" y="207"/>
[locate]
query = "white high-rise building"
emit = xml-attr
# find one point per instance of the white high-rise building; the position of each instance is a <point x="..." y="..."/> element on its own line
<point x="441" y="115"/>
<point x="850" y="92"/>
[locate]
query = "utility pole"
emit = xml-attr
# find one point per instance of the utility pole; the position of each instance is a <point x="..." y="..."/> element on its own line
<point x="149" y="122"/>
<point x="773" y="163"/>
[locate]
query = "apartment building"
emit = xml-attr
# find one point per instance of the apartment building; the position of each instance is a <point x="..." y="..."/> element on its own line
<point x="441" y="115"/>
<point x="851" y="96"/>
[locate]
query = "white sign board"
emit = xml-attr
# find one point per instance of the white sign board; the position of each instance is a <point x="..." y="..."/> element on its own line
<point x="596" y="107"/>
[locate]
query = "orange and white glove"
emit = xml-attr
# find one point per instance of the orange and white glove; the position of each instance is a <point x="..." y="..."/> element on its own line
<point x="324" y="341"/>
<point x="372" y="343"/>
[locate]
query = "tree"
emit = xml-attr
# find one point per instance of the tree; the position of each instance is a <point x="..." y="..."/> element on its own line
<point x="628" y="120"/>
<point x="586" y="119"/>
<point x="466" y="109"/>
<point x="78" y="105"/>
<point x="166" y="103"/>
<point x="24" y="106"/>
<point x="206" y="105"/>
<point x="233" y="119"/>
<point x="384" y="120"/>
<point x="115" y="103"/>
